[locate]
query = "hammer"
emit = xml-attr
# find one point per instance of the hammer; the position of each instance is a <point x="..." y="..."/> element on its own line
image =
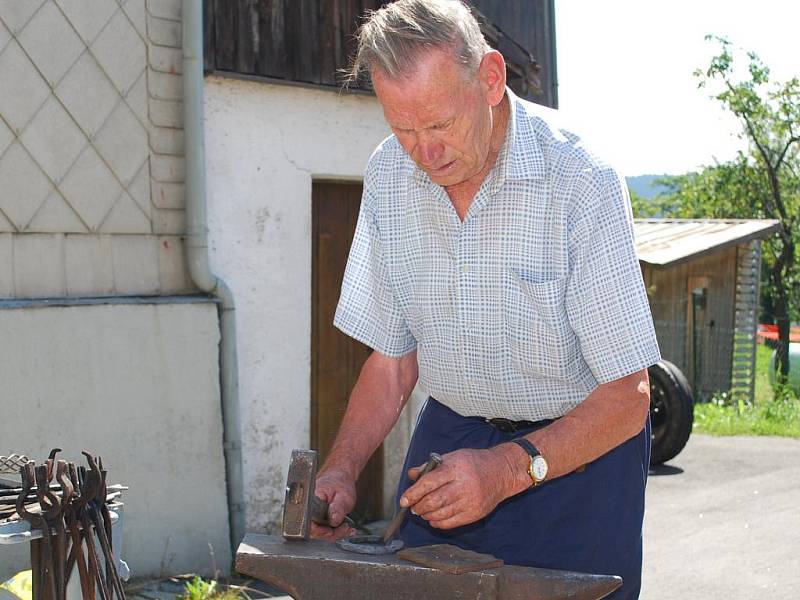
<point x="301" y="506"/>
<point x="434" y="460"/>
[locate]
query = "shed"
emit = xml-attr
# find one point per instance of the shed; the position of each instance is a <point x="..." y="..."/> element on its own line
<point x="702" y="279"/>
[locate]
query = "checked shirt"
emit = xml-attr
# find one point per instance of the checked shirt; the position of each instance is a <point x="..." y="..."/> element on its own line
<point x="522" y="309"/>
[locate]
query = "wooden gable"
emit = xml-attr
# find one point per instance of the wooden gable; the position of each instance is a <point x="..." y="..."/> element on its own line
<point x="311" y="41"/>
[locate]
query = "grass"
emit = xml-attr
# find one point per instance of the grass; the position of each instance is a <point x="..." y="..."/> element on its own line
<point x="772" y="413"/>
<point x="763" y="392"/>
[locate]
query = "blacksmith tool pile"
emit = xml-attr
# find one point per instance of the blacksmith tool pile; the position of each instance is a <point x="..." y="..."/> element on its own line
<point x="69" y="505"/>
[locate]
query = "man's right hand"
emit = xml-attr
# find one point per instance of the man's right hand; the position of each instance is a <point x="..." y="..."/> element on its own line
<point x="339" y="490"/>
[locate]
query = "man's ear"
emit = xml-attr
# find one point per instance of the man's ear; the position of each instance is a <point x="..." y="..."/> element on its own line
<point x="492" y="75"/>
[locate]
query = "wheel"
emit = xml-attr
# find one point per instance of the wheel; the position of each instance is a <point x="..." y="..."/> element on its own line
<point x="671" y="411"/>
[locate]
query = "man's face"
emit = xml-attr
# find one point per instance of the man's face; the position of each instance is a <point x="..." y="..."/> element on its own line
<point x="441" y="118"/>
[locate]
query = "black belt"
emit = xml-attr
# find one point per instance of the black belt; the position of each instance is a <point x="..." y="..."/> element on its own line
<point x="509" y="426"/>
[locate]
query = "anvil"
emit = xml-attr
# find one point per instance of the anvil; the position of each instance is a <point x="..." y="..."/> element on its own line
<point x="318" y="570"/>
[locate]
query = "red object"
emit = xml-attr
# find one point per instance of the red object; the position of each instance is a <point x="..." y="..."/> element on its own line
<point x="770" y="332"/>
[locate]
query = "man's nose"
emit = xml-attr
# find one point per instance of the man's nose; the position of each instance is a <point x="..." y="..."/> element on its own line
<point x="429" y="150"/>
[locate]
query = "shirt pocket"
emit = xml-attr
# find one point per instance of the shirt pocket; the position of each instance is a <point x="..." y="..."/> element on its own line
<point x="540" y="339"/>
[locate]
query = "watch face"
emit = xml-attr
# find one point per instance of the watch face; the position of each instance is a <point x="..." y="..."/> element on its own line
<point x="539" y="468"/>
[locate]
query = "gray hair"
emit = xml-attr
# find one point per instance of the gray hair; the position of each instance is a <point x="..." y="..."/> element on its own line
<point x="394" y="37"/>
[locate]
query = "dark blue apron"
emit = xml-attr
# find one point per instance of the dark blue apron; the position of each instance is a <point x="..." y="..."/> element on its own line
<point x="589" y="521"/>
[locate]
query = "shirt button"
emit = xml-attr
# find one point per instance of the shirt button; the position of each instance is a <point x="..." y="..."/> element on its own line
<point x="465" y="268"/>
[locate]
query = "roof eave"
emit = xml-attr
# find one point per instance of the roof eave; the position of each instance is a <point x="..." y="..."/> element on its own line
<point x="771" y="226"/>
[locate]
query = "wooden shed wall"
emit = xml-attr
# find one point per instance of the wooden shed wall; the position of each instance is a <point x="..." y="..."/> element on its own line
<point x="310" y="41"/>
<point x="670" y="297"/>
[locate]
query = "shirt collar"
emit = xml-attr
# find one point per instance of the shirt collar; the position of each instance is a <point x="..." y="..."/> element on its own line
<point x="525" y="156"/>
<point x="519" y="158"/>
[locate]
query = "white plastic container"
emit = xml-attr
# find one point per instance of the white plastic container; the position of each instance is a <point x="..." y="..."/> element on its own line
<point x="794" y="366"/>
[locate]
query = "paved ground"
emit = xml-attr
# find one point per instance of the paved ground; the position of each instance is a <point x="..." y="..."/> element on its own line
<point x="723" y="521"/>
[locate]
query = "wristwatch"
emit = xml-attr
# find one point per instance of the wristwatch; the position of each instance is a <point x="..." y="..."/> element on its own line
<point x="537" y="468"/>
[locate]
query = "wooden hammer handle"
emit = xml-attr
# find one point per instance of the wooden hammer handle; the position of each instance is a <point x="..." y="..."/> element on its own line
<point x="319" y="511"/>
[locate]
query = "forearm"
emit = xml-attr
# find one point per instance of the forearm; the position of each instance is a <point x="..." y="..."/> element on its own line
<point x="613" y="413"/>
<point x="376" y="401"/>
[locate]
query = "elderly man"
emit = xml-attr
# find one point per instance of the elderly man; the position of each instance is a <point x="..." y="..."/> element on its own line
<point x="494" y="263"/>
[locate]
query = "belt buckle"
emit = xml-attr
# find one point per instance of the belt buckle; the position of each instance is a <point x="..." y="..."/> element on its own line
<point x="504" y="425"/>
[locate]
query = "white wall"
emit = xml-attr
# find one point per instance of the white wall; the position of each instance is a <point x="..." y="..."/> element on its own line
<point x="138" y="385"/>
<point x="265" y="144"/>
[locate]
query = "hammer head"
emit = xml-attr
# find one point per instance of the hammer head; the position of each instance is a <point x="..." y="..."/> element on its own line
<point x="299" y="501"/>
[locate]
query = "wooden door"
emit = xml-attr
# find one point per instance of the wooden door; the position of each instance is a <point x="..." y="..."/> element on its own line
<point x="336" y="359"/>
<point x="697" y="330"/>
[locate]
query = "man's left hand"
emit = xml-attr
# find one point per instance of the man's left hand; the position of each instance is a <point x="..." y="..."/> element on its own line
<point x="466" y="487"/>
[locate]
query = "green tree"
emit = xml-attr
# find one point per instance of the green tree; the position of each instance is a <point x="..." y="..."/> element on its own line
<point x="658" y="206"/>
<point x="761" y="182"/>
<point x="640" y="206"/>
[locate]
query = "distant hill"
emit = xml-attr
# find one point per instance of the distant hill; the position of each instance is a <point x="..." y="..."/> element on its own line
<point x="644" y="185"/>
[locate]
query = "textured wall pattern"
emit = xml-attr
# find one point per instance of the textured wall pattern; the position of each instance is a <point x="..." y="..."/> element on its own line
<point x="91" y="145"/>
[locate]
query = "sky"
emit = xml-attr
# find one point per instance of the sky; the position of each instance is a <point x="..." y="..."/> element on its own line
<point x="625" y="80"/>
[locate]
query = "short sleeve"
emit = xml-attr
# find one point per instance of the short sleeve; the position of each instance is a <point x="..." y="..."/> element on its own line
<point x="368" y="310"/>
<point x="606" y="300"/>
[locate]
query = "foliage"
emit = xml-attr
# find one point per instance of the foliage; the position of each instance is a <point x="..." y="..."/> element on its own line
<point x="763" y="386"/>
<point x="773" y="413"/>
<point x="780" y="416"/>
<point x="657" y="206"/>
<point x="640" y="205"/>
<point x="200" y="589"/>
<point x="761" y="182"/>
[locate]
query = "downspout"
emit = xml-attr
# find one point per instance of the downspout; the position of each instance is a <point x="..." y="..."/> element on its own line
<point x="553" y="58"/>
<point x="198" y="261"/>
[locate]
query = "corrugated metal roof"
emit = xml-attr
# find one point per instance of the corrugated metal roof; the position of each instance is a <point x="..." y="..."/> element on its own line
<point x="665" y="242"/>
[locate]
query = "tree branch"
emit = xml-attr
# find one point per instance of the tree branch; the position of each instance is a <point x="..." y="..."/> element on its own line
<point x="788" y="145"/>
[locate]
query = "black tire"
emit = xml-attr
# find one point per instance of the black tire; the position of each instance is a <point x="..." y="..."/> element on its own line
<point x="671" y="411"/>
